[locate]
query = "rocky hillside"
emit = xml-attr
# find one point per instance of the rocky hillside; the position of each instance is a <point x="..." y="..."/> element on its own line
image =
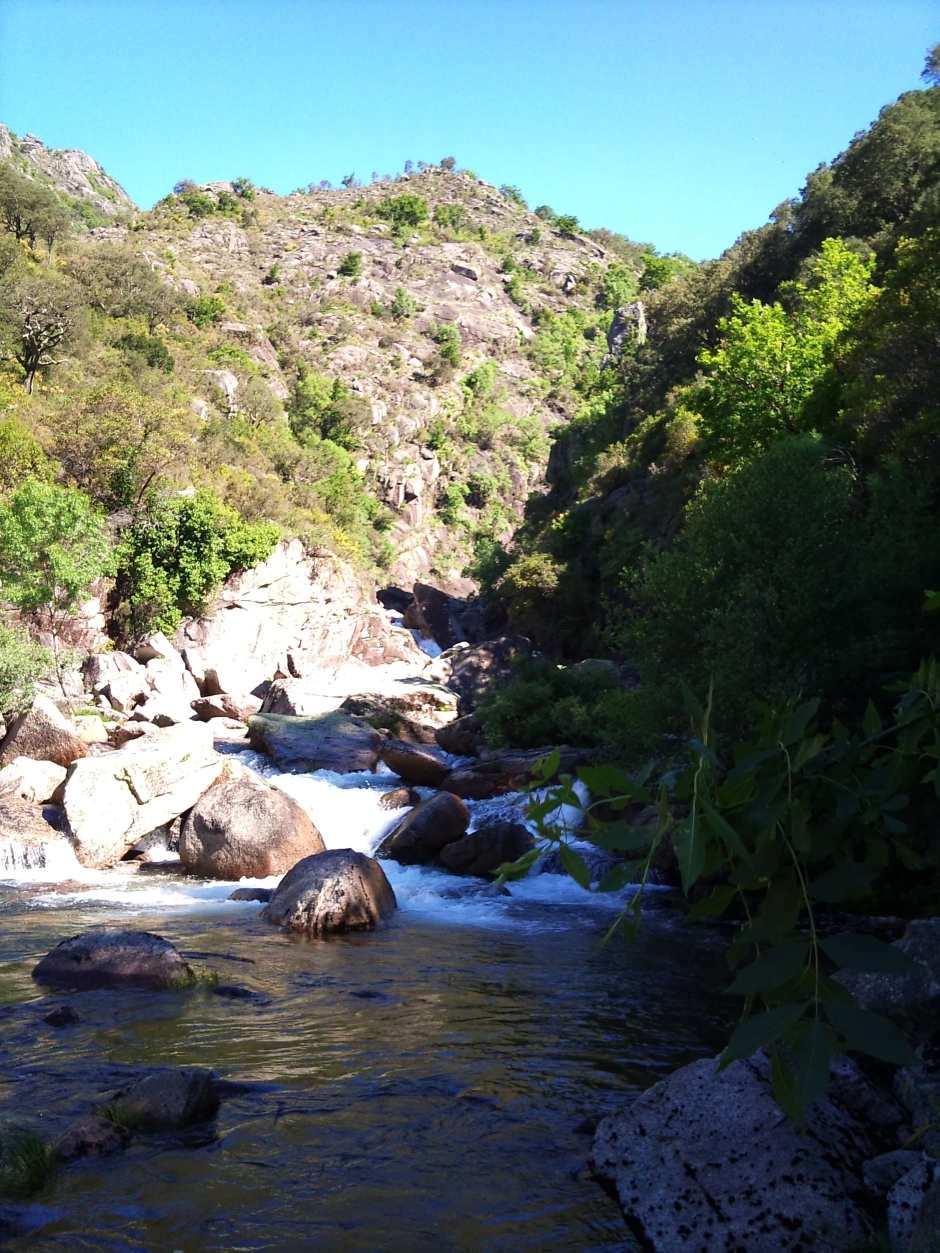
<point x="95" y="196"/>
<point x="448" y="316"/>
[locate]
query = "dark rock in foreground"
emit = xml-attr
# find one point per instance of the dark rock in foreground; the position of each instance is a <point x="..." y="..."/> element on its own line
<point x="422" y="833"/>
<point x="340" y="890"/>
<point x="331" y="741"/>
<point x="246" y="829"/>
<point x="91" y="1137"/>
<point x="169" y="1100"/>
<point x="483" y="851"/>
<point x="63" y="1016"/>
<point x="707" y="1160"/>
<point x="111" y="957"/>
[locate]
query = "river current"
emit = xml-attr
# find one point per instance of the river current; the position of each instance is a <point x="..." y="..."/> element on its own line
<point x="420" y="1089"/>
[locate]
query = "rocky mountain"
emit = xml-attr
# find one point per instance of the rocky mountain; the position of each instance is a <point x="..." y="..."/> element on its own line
<point x="71" y="172"/>
<point x="451" y="336"/>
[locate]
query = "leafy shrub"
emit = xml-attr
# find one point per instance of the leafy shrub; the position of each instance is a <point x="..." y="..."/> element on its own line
<point x="567" y="223"/>
<point x="406" y="210"/>
<point x="325" y="407"/>
<point x="351" y="265"/>
<point x="514" y="194"/>
<point x="403" y="305"/>
<point x="450" y="502"/>
<point x="153" y="350"/>
<point x="21" y="456"/>
<point x="449" y="215"/>
<point x="175" y="556"/>
<point x="244" y="188"/>
<point x="448" y="163"/>
<point x="617" y="286"/>
<point x="482" y="379"/>
<point x="22" y="664"/>
<point x="205" y="310"/>
<point x="546" y="213"/>
<point x="231" y="357"/>
<point x="658" y="271"/>
<point x="447" y="337"/>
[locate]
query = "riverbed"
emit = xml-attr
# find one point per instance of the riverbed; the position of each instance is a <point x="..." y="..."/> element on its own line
<point x="425" y="1088"/>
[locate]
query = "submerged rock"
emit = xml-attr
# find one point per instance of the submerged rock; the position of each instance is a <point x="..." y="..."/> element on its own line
<point x="246" y="829"/>
<point x="421" y="834"/>
<point x="92" y="1137"/>
<point x="169" y="1100"/>
<point x="62" y="1016"/>
<point x="111" y="802"/>
<point x="706" y="1159"/>
<point x="331" y="741"/>
<point x="44" y="733"/>
<point x="415" y="763"/>
<point x="483" y="851"/>
<point x="339" y="890"/>
<point x="112" y="957"/>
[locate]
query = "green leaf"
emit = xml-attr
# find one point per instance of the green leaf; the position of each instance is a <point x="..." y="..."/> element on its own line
<point x="714" y="904"/>
<point x="690" y="850"/>
<point x="812" y="1053"/>
<point x="519" y="868"/>
<point x="779" y="914"/>
<point x="725" y="831"/>
<point x="575" y="865"/>
<point x="619" y="838"/>
<point x="871" y="723"/>
<point x="616" y="878"/>
<point x="798" y="720"/>
<point x="868" y="954"/>
<point x="932" y="602"/>
<point x="608" y="781"/>
<point x="871" y="1034"/>
<point x="761" y="1029"/>
<point x="784" y="1088"/>
<point x="835" y="885"/>
<point x="808" y="750"/>
<point x="774" y="967"/>
<point x="547" y="768"/>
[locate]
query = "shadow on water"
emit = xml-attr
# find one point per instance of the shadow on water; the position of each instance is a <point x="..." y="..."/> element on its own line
<point x="410" y="1091"/>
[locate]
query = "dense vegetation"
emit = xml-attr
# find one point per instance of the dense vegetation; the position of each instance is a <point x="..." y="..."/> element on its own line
<point x="749" y="496"/>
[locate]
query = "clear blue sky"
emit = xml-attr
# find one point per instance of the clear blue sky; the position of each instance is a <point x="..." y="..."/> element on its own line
<point x="679" y="122"/>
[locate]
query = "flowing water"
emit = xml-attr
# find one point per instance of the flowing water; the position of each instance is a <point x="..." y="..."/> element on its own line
<point x="413" y="1090"/>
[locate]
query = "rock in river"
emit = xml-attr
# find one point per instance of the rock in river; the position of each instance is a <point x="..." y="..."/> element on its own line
<point x="707" y="1160"/>
<point x="483" y="851"/>
<point x="423" y="832"/>
<point x="169" y="1100"/>
<point x="91" y="1137"/>
<point x="331" y="741"/>
<point x="420" y="764"/>
<point x="340" y="890"/>
<point x="246" y="829"/>
<point x="111" y="957"/>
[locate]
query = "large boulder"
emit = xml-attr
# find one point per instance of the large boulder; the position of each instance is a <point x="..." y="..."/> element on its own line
<point x="239" y="706"/>
<point x="31" y="780"/>
<point x="483" y="851"/>
<point x="112" y="801"/>
<point x="423" y="832"/>
<point x="436" y="615"/>
<point x="297" y="697"/>
<point x="127" y="689"/>
<point x="246" y="829"/>
<point x="330" y="741"/>
<point x="464" y="736"/>
<point x="707" y="1160"/>
<point x="339" y="890"/>
<point x="113" y="957"/>
<point x="27" y="841"/>
<point x="44" y="733"/>
<point x="413" y="714"/>
<point x="419" y="764"/>
<point x="470" y="671"/>
<point x="168" y="1100"/>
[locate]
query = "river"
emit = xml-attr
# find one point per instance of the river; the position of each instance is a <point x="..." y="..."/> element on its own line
<point x="419" y="1089"/>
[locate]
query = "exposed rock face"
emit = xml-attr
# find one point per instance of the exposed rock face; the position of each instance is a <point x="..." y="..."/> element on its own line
<point x="31" y="780"/>
<point x="292" y="614"/>
<point x="112" y="957"/>
<point x="421" y="834"/>
<point x="437" y="615"/>
<point x="245" y="828"/>
<point x="339" y="890"/>
<point x="70" y="169"/>
<point x="26" y="839"/>
<point x="332" y="741"/>
<point x="295" y="697"/>
<point x="112" y="801"/>
<point x="463" y="736"/>
<point x="707" y="1160"/>
<point x="239" y="707"/>
<point x="169" y="1100"/>
<point x="471" y="670"/>
<point x="44" y="733"/>
<point x="483" y="851"/>
<point x="91" y="1137"/>
<point x="415" y="763"/>
<point x="414" y="715"/>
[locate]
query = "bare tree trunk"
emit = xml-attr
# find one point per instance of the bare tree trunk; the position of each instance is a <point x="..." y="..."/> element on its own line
<point x="28" y="381"/>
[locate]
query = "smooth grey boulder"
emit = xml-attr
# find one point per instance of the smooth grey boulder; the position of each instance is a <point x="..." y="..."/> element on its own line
<point x="420" y="764"/>
<point x="112" y="957"/>
<point x="707" y="1160"/>
<point x="331" y="741"/>
<point x="339" y="890"/>
<point x="423" y="832"/>
<point x="169" y="1100"/>
<point x="483" y="851"/>
<point x="44" y="733"/>
<point x="246" y="829"/>
<point x="112" y="801"/>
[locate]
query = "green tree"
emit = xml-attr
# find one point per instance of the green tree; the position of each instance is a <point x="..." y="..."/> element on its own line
<point x="39" y="315"/>
<point x="22" y="664"/>
<point x="120" y="284"/>
<point x="617" y="286"/>
<point x="53" y="544"/>
<point x="406" y="210"/>
<point x="403" y="304"/>
<point x="351" y="266"/>
<point x="21" y="455"/>
<point x="28" y="209"/>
